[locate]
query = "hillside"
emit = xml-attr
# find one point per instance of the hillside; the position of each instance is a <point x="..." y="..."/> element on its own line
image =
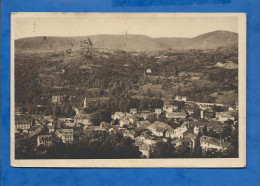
<point x="127" y="42"/>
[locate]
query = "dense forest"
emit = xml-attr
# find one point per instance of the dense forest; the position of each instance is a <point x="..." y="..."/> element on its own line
<point x="115" y="81"/>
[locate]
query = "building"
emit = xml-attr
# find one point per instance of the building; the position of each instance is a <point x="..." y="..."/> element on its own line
<point x="66" y="135"/>
<point x="45" y="140"/>
<point x="192" y="137"/>
<point x="84" y="119"/>
<point x="138" y="141"/>
<point x="158" y="111"/>
<point x="126" y="121"/>
<point x="96" y="128"/>
<point x="170" y="108"/>
<point x="231" y="108"/>
<point x="195" y="77"/>
<point x="179" y="132"/>
<point x="148" y="71"/>
<point x="145" y="150"/>
<point x="224" y="116"/>
<point x="187" y="142"/>
<point x="161" y="57"/>
<point x="176" y="115"/>
<point x="196" y="129"/>
<point x="112" y="131"/>
<point x="205" y="106"/>
<point x="201" y="114"/>
<point x="159" y="128"/>
<point x="50" y="127"/>
<point x="121" y="130"/>
<point x="209" y="143"/>
<point x="176" y="142"/>
<point x="190" y="112"/>
<point x="144" y="114"/>
<point x="120" y="115"/>
<point x="219" y="64"/>
<point x="181" y="98"/>
<point x="143" y="124"/>
<point x="23" y="124"/>
<point x="104" y="125"/>
<point x="68" y="122"/>
<point x="133" y="110"/>
<point x="85" y="103"/>
<point x="159" y="131"/>
<point x="170" y="133"/>
<point x="149" y="140"/>
<point x="76" y="110"/>
<point x="145" y="134"/>
<point x="56" y="99"/>
<point x="16" y="131"/>
<point x="48" y="118"/>
<point x="130" y="133"/>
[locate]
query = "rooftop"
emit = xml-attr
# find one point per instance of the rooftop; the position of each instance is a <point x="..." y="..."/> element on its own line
<point x="191" y="136"/>
<point x="214" y="141"/>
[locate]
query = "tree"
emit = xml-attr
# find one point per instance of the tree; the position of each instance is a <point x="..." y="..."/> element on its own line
<point x="56" y="110"/>
<point x="197" y="150"/>
<point x="226" y="131"/>
<point x="164" y="150"/>
<point x="212" y="133"/>
<point x="149" y="93"/>
<point x="152" y="118"/>
<point x="205" y="131"/>
<point x="229" y="122"/>
<point x="125" y="149"/>
<point x="86" y="47"/>
<point x="23" y="110"/>
<point x="47" y="112"/>
<point x="41" y="147"/>
<point x="72" y="113"/>
<point x="96" y="145"/>
<point x="99" y="116"/>
<point x="184" y="151"/>
<point x="162" y="117"/>
<point x="116" y="122"/>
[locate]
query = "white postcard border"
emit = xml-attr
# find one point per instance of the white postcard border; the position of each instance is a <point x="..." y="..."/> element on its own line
<point x="142" y="163"/>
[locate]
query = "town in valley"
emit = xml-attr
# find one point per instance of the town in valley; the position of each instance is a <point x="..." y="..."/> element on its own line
<point x="110" y="97"/>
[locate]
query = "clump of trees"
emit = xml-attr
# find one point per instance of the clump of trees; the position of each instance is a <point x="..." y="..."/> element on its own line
<point x="90" y="145"/>
<point x="164" y="150"/>
<point x="99" y="116"/>
<point x="64" y="110"/>
<point x="197" y="150"/>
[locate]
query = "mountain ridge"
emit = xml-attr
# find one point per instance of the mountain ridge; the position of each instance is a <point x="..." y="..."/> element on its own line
<point x="128" y="42"/>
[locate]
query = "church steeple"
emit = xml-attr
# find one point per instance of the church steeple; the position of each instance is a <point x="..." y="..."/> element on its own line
<point x="85" y="102"/>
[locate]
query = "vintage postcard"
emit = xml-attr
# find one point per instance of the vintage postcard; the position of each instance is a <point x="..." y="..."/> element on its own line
<point x="128" y="90"/>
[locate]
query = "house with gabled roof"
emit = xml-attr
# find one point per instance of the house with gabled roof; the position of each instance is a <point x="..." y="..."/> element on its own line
<point x="224" y="116"/>
<point x="176" y="115"/>
<point x="159" y="128"/>
<point x="170" y="108"/>
<point x="209" y="143"/>
<point x="192" y="138"/>
<point x="130" y="133"/>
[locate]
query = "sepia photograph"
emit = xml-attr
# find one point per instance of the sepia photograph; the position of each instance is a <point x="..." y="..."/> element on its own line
<point x="128" y="90"/>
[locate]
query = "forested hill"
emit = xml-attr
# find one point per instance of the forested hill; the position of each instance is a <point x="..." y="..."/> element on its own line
<point x="127" y="42"/>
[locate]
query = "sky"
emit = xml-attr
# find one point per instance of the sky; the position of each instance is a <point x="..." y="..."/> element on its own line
<point x="152" y="25"/>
